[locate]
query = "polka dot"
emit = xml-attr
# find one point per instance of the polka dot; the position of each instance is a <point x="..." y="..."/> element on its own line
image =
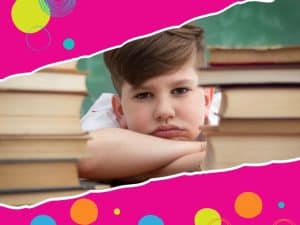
<point x="284" y="221"/>
<point x="69" y="43"/>
<point x="221" y="221"/>
<point x="58" y="8"/>
<point x="150" y="220"/>
<point x="248" y="205"/>
<point x="38" y="41"/>
<point x="117" y="211"/>
<point x="207" y="216"/>
<point x="28" y="16"/>
<point x="43" y="220"/>
<point x="84" y="211"/>
<point x="281" y="204"/>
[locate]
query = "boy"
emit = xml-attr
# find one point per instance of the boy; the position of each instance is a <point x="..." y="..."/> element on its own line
<point x="158" y="110"/>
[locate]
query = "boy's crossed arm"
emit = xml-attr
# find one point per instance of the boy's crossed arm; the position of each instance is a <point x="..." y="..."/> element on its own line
<point x="120" y="154"/>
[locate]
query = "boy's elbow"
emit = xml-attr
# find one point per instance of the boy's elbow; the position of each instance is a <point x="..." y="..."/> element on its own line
<point x="85" y="169"/>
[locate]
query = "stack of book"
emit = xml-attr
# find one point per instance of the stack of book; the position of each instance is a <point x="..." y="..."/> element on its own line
<point x="40" y="135"/>
<point x="260" y="105"/>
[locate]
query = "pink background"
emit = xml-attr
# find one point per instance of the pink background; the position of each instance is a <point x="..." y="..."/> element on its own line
<point x="177" y="200"/>
<point x="97" y="25"/>
<point x="94" y="25"/>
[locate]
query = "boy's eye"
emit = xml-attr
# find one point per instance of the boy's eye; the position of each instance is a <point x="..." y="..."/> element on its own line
<point x="143" y="95"/>
<point x="180" y="91"/>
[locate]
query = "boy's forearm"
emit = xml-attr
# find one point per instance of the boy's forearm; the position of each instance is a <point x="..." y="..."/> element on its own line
<point x="188" y="163"/>
<point x="118" y="153"/>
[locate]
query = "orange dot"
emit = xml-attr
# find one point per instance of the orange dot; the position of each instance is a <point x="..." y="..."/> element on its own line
<point x="248" y="205"/>
<point x="84" y="211"/>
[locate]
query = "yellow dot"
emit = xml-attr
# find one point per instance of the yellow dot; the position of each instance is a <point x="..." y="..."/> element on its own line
<point x="117" y="211"/>
<point x="248" y="205"/>
<point x="207" y="216"/>
<point x="28" y="15"/>
<point x="84" y="211"/>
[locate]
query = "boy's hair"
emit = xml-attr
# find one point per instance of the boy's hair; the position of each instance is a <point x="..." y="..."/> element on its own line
<point x="152" y="56"/>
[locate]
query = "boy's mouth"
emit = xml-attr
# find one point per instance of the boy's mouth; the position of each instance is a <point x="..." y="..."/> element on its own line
<point x="168" y="131"/>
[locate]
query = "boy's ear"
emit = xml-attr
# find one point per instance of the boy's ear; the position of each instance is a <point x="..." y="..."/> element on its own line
<point x="208" y="96"/>
<point x="118" y="111"/>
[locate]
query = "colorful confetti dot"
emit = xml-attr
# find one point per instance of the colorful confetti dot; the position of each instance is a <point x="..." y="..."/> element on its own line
<point x="58" y="8"/>
<point x="281" y="204"/>
<point x="117" y="211"/>
<point x="248" y="205"/>
<point x="151" y="220"/>
<point x="38" y="41"/>
<point x="84" y="211"/>
<point x="207" y="216"/>
<point x="43" y="220"/>
<point x="69" y="43"/>
<point x="284" y="221"/>
<point x="28" y="16"/>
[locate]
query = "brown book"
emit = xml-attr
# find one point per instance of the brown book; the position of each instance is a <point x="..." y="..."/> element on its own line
<point x="46" y="81"/>
<point x="24" y="174"/>
<point x="39" y="104"/>
<point x="254" y="55"/>
<point x="36" y="195"/>
<point x="44" y="102"/>
<point x="261" y="126"/>
<point x="245" y="75"/>
<point x="64" y="67"/>
<point x="14" y="147"/>
<point x="228" y="150"/>
<point x="46" y="125"/>
<point x="260" y="102"/>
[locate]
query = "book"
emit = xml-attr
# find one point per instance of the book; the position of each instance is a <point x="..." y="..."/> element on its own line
<point x="46" y="125"/>
<point x="94" y="184"/>
<point x="43" y="146"/>
<point x="245" y="75"/>
<point x="261" y="126"/>
<point x="65" y="67"/>
<point x="260" y="102"/>
<point x="226" y="150"/>
<point x="57" y="81"/>
<point x="35" y="195"/>
<point x="23" y="174"/>
<point x="45" y="102"/>
<point x="39" y="104"/>
<point x="219" y="55"/>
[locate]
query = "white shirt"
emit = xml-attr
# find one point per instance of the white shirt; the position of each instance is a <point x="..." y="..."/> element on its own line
<point x="100" y="115"/>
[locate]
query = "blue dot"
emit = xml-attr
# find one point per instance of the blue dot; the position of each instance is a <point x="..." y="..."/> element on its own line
<point x="150" y="220"/>
<point x="281" y="204"/>
<point x="43" y="220"/>
<point x="69" y="43"/>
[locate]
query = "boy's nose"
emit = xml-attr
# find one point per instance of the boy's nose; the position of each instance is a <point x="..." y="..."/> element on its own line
<point x="164" y="111"/>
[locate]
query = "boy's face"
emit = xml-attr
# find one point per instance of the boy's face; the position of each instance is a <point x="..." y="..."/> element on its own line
<point x="168" y="106"/>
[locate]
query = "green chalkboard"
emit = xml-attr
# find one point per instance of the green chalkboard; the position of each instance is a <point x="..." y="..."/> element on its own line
<point x="255" y="23"/>
<point x="249" y="24"/>
<point x="97" y="82"/>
